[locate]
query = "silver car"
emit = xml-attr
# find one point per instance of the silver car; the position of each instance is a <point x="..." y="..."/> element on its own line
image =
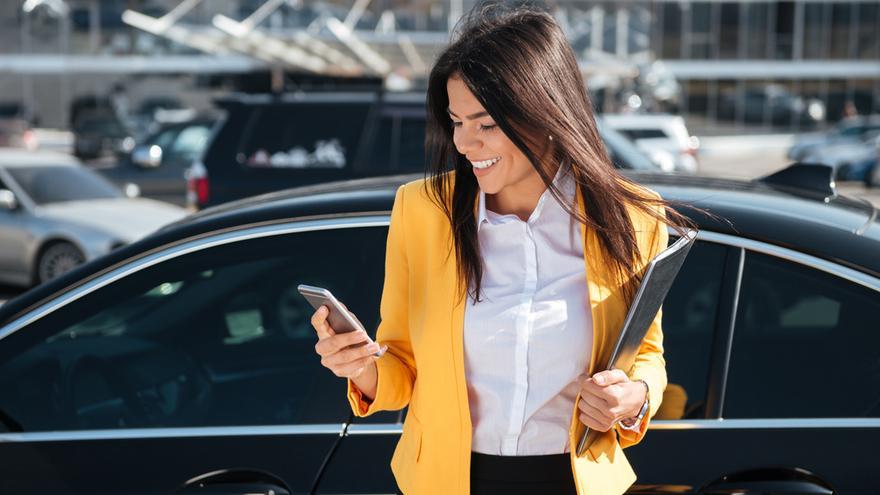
<point x="56" y="214"/>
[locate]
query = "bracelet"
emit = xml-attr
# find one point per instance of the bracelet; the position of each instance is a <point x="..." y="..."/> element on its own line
<point x="644" y="410"/>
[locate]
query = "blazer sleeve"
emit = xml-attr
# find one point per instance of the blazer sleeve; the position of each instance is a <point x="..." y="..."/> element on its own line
<point x="396" y="368"/>
<point x="649" y="364"/>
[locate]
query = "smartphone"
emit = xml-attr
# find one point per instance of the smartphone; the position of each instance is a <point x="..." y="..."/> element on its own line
<point x="340" y="319"/>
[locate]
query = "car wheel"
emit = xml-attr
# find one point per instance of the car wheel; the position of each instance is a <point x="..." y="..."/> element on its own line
<point x="57" y="260"/>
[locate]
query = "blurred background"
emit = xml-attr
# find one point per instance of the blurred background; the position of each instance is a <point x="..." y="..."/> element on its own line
<point x="148" y="97"/>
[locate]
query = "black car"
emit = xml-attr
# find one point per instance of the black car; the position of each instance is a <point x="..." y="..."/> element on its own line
<point x="186" y="361"/>
<point x="158" y="164"/>
<point x="101" y="134"/>
<point x="269" y="143"/>
<point x="772" y="104"/>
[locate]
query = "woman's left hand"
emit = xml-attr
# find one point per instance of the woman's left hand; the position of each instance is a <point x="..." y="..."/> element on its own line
<point x="608" y="397"/>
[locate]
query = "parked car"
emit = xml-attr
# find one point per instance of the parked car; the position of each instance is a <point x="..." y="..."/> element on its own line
<point x="773" y="105"/>
<point x="101" y="134"/>
<point x="847" y="131"/>
<point x="850" y="159"/>
<point x="268" y="143"/>
<point x="185" y="361"/>
<point x="658" y="134"/>
<point x="158" y="164"/>
<point x="15" y="127"/>
<point x="56" y="214"/>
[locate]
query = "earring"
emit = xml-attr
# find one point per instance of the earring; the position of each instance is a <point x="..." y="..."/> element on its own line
<point x="550" y="137"/>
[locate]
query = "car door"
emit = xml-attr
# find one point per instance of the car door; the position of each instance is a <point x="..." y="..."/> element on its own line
<point x="195" y="361"/>
<point x="164" y="182"/>
<point x="695" y="313"/>
<point x="792" y="404"/>
<point x="803" y="386"/>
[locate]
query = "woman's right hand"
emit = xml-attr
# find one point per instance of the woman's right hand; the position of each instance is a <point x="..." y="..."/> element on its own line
<point x="345" y="354"/>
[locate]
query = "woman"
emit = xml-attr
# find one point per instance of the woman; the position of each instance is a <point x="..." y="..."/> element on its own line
<point x="508" y="275"/>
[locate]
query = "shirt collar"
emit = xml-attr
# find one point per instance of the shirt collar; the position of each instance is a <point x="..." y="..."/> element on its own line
<point x="562" y="181"/>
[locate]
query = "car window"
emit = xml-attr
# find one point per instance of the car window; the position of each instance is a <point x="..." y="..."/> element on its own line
<point x="689" y="314"/>
<point x="304" y="136"/>
<point x="218" y="337"/>
<point x="804" y="345"/>
<point x="164" y="138"/>
<point x="191" y="141"/>
<point x="57" y="184"/>
<point x="399" y="143"/>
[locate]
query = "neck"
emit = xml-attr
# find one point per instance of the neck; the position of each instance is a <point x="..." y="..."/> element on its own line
<point x="519" y="199"/>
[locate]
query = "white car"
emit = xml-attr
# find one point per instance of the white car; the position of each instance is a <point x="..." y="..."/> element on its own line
<point x="659" y="136"/>
<point x="56" y="214"/>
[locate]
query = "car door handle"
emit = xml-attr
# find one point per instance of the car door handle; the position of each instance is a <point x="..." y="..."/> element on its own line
<point x="782" y="487"/>
<point x="234" y="482"/>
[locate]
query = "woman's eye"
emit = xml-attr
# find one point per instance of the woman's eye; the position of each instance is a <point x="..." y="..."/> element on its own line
<point x="456" y="124"/>
<point x="488" y="127"/>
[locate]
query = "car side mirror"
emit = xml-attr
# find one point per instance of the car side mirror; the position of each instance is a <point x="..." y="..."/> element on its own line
<point x="147" y="156"/>
<point x="8" y="200"/>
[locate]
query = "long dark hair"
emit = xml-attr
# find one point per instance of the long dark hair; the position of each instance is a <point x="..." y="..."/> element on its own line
<point x="520" y="66"/>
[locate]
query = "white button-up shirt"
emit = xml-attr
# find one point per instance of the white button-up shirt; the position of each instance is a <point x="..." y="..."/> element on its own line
<point x="530" y="337"/>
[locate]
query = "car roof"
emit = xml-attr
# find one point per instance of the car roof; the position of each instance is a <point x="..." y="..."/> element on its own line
<point x="14" y="157"/>
<point x="839" y="229"/>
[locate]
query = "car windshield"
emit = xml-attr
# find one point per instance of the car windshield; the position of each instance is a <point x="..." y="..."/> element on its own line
<point x="57" y="184"/>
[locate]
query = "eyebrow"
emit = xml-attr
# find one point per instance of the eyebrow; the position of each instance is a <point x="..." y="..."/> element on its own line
<point x="471" y="116"/>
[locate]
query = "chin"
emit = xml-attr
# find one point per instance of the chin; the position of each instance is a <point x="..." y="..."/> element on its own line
<point x="488" y="186"/>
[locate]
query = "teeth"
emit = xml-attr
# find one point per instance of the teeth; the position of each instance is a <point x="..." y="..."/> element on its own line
<point x="485" y="163"/>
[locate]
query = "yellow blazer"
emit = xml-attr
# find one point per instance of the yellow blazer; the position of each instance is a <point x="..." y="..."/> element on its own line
<point x="422" y="324"/>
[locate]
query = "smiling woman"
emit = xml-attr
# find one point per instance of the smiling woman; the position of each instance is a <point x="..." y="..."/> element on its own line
<point x="509" y="271"/>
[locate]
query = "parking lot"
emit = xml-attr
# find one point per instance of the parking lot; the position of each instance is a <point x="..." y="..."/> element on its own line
<point x="741" y="157"/>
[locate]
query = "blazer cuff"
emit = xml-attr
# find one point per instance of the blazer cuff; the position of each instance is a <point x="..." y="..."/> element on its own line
<point x="359" y="404"/>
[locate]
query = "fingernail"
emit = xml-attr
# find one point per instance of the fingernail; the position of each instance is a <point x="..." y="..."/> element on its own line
<point x="599" y="380"/>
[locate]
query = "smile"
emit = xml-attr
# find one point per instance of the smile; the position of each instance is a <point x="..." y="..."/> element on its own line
<point x="486" y="163"/>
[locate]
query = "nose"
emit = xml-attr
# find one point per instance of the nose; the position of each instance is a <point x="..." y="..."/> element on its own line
<point x="465" y="141"/>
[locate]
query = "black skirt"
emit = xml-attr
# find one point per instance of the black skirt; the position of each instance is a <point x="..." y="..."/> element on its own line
<point x="521" y="475"/>
<point x="528" y="474"/>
